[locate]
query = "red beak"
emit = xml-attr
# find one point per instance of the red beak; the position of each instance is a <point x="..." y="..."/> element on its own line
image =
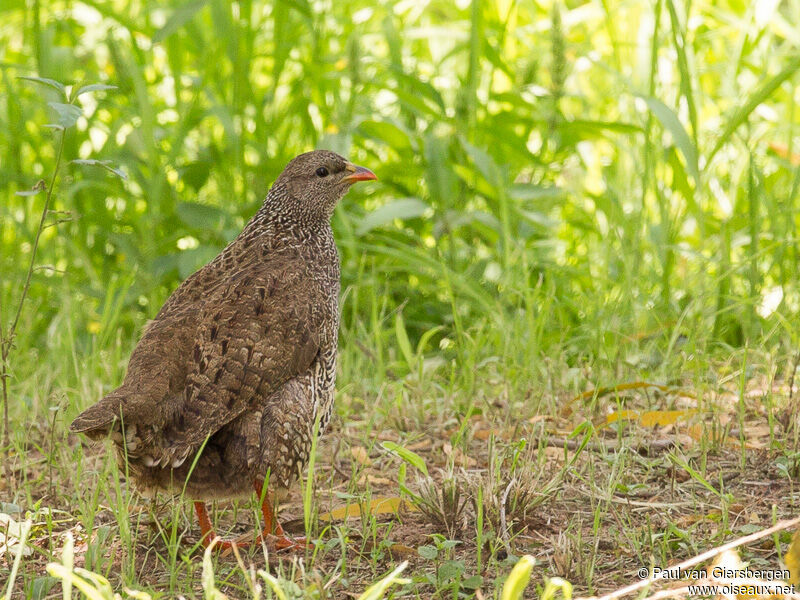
<point x="358" y="174"/>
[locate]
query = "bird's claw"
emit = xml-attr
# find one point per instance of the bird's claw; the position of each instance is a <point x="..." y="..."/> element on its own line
<point x="276" y="543"/>
<point x="284" y="542"/>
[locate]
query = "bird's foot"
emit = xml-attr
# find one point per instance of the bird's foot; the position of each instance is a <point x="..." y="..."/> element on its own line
<point x="285" y="542"/>
<point x="275" y="543"/>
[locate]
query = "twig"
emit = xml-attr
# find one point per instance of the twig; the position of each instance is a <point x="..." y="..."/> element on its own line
<point x="628" y="589"/>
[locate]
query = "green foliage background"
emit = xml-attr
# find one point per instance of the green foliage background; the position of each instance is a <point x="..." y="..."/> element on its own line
<point x="553" y="177"/>
<point x="572" y="195"/>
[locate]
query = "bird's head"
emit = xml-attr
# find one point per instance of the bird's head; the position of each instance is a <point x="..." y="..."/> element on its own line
<point x="314" y="182"/>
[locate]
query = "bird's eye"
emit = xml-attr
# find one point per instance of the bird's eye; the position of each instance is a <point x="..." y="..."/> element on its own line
<point x="322" y="172"/>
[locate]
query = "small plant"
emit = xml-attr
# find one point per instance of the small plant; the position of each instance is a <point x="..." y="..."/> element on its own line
<point x="445" y="503"/>
<point x="512" y="487"/>
<point x="449" y="573"/>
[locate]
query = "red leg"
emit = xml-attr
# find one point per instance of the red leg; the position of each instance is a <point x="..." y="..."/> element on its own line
<point x="207" y="529"/>
<point x="280" y="538"/>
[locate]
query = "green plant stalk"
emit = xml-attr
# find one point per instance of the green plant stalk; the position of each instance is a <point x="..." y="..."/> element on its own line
<point x="649" y="151"/>
<point x="473" y="75"/>
<point x="753" y="224"/>
<point x="7" y="338"/>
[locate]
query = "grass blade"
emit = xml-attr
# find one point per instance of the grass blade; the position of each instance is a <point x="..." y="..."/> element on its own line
<point x="741" y="114"/>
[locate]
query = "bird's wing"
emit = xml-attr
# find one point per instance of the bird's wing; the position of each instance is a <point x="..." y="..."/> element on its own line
<point x="262" y="330"/>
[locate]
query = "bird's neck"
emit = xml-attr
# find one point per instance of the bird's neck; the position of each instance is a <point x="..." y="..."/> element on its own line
<point x="281" y="208"/>
<point x="282" y="222"/>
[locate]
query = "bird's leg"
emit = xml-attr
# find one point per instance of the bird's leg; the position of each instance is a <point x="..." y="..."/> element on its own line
<point x="207" y="530"/>
<point x="280" y="538"/>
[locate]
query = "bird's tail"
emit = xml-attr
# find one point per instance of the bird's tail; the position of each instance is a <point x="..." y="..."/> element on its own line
<point x="97" y="420"/>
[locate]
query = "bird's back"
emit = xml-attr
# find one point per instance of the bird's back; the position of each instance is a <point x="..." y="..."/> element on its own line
<point x="260" y="281"/>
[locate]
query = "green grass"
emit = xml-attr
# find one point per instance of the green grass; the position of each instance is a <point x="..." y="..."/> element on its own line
<point x="571" y="197"/>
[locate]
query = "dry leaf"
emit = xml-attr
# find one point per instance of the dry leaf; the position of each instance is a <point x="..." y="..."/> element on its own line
<point x="377" y="506"/>
<point x="421" y="445"/>
<point x="399" y="551"/>
<point x="485" y="434"/>
<point x="359" y="453"/>
<point x="372" y="480"/>
<point x="10" y="534"/>
<point x="651" y="418"/>
<point x="461" y="459"/>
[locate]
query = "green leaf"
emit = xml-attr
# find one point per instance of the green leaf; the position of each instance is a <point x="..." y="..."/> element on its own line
<point x="421" y="89"/>
<point x="489" y="169"/>
<point x="403" y="341"/>
<point x="439" y="173"/>
<point x="679" y="42"/>
<point x="179" y="18"/>
<point x="200" y="216"/>
<point x="67" y="113"/>
<point x="56" y="85"/>
<point x="450" y="569"/>
<point x="273" y="583"/>
<point x="472" y="583"/>
<point x="669" y="121"/>
<point x="526" y="192"/>
<point x="404" y="208"/>
<point x="41" y="586"/>
<point x="32" y="192"/>
<point x="390" y="133"/>
<point x="429" y="552"/>
<point x="740" y="115"/>
<point x="412" y="458"/>
<point x="94" y="87"/>
<point x="103" y="164"/>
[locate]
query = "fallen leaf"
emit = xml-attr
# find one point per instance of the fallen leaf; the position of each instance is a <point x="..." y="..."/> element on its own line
<point x="372" y="480"/>
<point x="10" y="535"/>
<point x="377" y="506"/>
<point x="651" y="418"/>
<point x="402" y="551"/>
<point x="359" y="453"/>
<point x="485" y="434"/>
<point x="421" y="445"/>
<point x="459" y="457"/>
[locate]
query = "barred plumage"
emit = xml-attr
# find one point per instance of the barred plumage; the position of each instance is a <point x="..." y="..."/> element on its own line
<point x="242" y="355"/>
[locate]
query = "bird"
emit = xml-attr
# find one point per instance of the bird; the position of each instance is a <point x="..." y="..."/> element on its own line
<point x="226" y="386"/>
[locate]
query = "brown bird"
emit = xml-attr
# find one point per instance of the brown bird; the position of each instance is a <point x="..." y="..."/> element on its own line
<point x="224" y="387"/>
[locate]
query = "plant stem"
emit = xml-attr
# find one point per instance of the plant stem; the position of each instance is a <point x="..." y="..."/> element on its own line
<point x="7" y="339"/>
